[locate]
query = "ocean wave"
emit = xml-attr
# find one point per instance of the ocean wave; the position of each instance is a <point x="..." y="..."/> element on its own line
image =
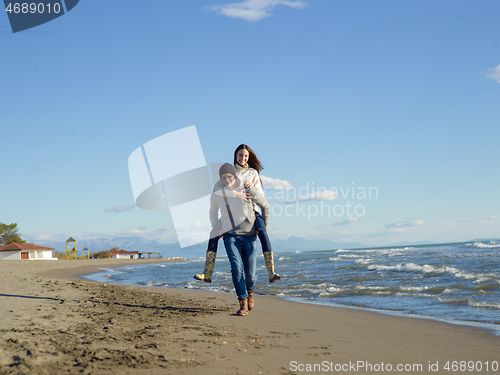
<point x="380" y="251"/>
<point x="364" y="261"/>
<point x="493" y="245"/>
<point x="225" y="273"/>
<point x="111" y="270"/>
<point x="426" y="269"/>
<point x="488" y="305"/>
<point x="453" y="301"/>
<point x="331" y="291"/>
<point x="344" y="257"/>
<point x="362" y="287"/>
<point x="413" y="288"/>
<point x="150" y="283"/>
<point x="486" y="287"/>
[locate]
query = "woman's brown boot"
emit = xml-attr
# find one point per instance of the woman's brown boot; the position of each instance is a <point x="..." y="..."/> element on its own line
<point x="243" y="307"/>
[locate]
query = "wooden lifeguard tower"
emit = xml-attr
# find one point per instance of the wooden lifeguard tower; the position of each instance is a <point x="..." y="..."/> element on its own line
<point x="70" y="253"/>
<point x="88" y="253"/>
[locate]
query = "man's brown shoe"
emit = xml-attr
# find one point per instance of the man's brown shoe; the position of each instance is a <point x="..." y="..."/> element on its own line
<point x="251" y="301"/>
<point x="243" y="307"/>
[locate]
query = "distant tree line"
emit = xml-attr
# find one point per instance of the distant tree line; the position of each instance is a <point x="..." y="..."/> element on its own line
<point x="61" y="255"/>
<point x="104" y="253"/>
<point x="9" y="233"/>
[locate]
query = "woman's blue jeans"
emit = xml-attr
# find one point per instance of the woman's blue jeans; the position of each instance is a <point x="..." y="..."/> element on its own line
<point x="243" y="258"/>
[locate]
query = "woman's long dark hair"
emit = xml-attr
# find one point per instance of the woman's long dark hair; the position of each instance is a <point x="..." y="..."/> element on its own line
<point x="253" y="160"/>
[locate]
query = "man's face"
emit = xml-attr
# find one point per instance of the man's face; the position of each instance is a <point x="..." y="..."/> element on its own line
<point x="228" y="180"/>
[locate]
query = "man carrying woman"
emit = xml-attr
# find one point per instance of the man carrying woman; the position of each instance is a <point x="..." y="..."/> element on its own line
<point x="247" y="166"/>
<point x="239" y="234"/>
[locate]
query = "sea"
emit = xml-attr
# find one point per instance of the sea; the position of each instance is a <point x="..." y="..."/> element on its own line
<point x="456" y="283"/>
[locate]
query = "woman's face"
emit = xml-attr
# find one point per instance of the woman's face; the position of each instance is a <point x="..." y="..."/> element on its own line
<point x="242" y="157"/>
<point x="228" y="180"/>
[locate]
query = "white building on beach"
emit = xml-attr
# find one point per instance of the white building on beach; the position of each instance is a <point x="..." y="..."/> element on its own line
<point x="124" y="254"/>
<point x="19" y="251"/>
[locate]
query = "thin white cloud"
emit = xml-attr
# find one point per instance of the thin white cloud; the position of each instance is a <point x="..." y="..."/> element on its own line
<point x="472" y="221"/>
<point x="395" y="230"/>
<point x="254" y="10"/>
<point x="468" y="221"/>
<point x="493" y="73"/>
<point x="119" y="209"/>
<point x="350" y="220"/>
<point x="135" y="232"/>
<point x="274" y="232"/>
<point x="194" y="233"/>
<point x="48" y="237"/>
<point x="324" y="195"/>
<point x="405" y="223"/>
<point x="275" y="184"/>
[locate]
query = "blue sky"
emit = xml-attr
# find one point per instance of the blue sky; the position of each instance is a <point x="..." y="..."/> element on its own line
<point x="398" y="96"/>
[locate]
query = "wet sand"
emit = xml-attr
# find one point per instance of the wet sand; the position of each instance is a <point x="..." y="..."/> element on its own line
<point x="54" y="322"/>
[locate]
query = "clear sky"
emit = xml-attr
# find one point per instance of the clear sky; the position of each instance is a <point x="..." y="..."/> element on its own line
<point x="399" y="96"/>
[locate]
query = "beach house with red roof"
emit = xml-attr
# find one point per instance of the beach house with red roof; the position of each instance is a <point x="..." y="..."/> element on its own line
<point x="18" y="251"/>
<point x="124" y="254"/>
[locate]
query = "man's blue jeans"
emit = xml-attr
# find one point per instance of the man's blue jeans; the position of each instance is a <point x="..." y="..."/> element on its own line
<point x="243" y="258"/>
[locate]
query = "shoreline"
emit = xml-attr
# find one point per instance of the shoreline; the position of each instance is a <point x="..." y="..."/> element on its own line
<point x="55" y="322"/>
<point x="490" y="327"/>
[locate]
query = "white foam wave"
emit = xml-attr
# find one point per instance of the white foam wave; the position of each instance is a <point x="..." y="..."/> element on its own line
<point x="330" y="291"/>
<point x="490" y="305"/>
<point x="151" y="283"/>
<point x="413" y="288"/>
<point x="363" y="261"/>
<point x="491" y="245"/>
<point x="379" y="251"/>
<point x="110" y="270"/>
<point x="362" y="287"/>
<point x="224" y="273"/>
<point x="426" y="268"/>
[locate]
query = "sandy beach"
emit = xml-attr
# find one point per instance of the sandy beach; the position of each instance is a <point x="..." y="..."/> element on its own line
<point x="54" y="322"/>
